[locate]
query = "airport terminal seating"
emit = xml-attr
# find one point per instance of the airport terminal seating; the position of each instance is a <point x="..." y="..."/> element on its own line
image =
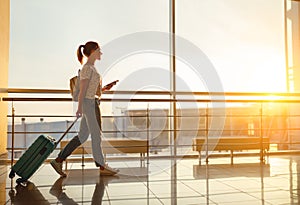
<point x="232" y="143"/>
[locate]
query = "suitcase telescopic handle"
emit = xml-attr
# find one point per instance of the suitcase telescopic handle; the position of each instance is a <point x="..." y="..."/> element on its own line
<point x="66" y="132"/>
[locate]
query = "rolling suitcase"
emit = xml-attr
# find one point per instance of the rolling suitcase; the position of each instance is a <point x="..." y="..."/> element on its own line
<point x="35" y="155"/>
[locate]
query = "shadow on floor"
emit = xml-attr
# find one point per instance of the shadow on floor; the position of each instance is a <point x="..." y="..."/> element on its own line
<point x="29" y="193"/>
<point x="227" y="170"/>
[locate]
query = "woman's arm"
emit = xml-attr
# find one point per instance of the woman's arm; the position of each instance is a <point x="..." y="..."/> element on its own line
<point x="83" y="87"/>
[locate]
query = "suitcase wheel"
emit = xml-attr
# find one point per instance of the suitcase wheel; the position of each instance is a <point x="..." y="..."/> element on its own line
<point x="11" y="194"/>
<point x="21" y="180"/>
<point x="12" y="174"/>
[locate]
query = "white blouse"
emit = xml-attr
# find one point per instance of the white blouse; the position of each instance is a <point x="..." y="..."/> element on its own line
<point x="89" y="71"/>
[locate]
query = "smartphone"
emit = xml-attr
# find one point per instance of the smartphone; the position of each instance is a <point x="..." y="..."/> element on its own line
<point x="112" y="83"/>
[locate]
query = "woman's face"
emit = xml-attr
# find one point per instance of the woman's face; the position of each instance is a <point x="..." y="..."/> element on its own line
<point x="97" y="53"/>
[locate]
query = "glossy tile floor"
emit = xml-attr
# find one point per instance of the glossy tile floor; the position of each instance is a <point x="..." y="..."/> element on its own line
<point x="163" y="181"/>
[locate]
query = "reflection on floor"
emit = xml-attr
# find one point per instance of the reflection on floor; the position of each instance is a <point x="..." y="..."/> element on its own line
<point x="162" y="181"/>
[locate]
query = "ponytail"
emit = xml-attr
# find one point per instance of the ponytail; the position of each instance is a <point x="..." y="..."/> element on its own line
<point x="79" y="53"/>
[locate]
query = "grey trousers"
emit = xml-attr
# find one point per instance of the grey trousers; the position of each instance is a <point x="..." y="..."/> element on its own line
<point x="90" y="124"/>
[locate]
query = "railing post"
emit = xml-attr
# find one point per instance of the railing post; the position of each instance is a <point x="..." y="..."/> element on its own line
<point x="12" y="145"/>
<point x="206" y="134"/>
<point x="12" y="135"/>
<point x="148" y="125"/>
<point x="261" y="134"/>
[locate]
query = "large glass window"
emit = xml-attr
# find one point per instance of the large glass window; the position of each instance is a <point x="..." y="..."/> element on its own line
<point x="221" y="45"/>
<point x="45" y="36"/>
<point x="244" y="40"/>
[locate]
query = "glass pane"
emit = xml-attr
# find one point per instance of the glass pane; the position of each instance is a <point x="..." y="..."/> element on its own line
<point x="45" y="36"/>
<point x="244" y="41"/>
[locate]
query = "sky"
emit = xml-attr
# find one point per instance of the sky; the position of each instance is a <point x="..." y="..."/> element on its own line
<point x="243" y="40"/>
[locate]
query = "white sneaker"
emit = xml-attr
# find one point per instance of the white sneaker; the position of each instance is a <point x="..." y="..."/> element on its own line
<point x="58" y="167"/>
<point x="108" y="170"/>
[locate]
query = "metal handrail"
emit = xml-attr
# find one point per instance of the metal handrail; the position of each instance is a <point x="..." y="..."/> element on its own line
<point x="201" y="97"/>
<point x="267" y="97"/>
<point x="124" y="92"/>
<point x="49" y="99"/>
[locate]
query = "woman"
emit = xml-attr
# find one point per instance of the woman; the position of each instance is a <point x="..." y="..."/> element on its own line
<point x="88" y="109"/>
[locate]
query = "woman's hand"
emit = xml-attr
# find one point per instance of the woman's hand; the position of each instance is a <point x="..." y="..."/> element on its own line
<point x="79" y="112"/>
<point x="110" y="85"/>
<point x="107" y="87"/>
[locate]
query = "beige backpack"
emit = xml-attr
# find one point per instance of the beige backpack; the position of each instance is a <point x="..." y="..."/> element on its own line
<point x="74" y="86"/>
